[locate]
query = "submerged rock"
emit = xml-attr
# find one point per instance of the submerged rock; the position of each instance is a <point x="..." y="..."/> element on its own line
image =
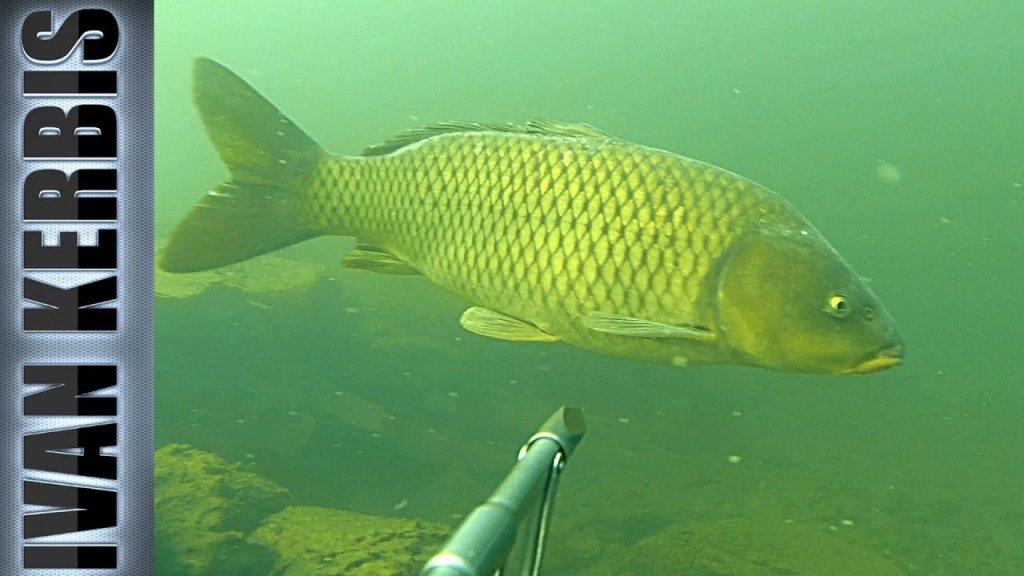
<point x="271" y="274"/>
<point x="216" y="518"/>
<point x="327" y="542"/>
<point x="182" y="286"/>
<point x="205" y="509"/>
<point x="262" y="275"/>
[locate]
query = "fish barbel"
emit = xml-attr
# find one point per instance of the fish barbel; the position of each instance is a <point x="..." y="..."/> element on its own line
<point x="552" y="231"/>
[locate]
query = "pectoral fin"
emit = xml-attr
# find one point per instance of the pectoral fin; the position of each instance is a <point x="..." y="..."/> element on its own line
<point x="640" y="328"/>
<point x="374" y="259"/>
<point x="487" y="322"/>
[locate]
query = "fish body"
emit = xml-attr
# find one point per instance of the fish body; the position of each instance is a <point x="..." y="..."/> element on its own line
<point x="549" y="228"/>
<point x="554" y="232"/>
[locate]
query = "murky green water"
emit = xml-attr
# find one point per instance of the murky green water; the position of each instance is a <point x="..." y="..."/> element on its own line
<point x="896" y="128"/>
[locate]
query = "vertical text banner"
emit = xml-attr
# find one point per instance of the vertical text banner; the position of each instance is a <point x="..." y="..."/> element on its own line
<point x="76" y="247"/>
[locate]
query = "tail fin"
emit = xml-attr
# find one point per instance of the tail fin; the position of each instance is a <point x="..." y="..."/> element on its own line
<point x="270" y="159"/>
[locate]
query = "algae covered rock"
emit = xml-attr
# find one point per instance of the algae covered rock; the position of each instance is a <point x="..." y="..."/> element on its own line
<point x="328" y="542"/>
<point x="182" y="286"/>
<point x="271" y="274"/>
<point x="258" y="276"/>
<point x="205" y="509"/>
<point x="748" y="549"/>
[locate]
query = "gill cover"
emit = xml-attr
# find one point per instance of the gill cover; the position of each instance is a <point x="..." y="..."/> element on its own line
<point x="788" y="301"/>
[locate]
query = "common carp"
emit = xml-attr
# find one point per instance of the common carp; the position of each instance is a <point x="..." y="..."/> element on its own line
<point x="552" y="231"/>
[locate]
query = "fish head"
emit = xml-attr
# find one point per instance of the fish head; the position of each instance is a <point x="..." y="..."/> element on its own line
<point x="788" y="301"/>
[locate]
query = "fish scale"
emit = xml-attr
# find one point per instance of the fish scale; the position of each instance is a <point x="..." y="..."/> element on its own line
<point x="551" y="231"/>
<point x="544" y="228"/>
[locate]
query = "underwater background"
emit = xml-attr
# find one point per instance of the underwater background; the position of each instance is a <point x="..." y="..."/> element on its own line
<point x="894" y="126"/>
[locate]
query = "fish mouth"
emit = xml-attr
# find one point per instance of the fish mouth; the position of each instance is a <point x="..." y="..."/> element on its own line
<point x="885" y="358"/>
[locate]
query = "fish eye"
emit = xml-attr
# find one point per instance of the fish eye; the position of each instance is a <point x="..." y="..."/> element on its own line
<point x="838" y="306"/>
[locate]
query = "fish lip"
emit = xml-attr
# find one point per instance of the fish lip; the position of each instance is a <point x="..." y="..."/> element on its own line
<point x="881" y="360"/>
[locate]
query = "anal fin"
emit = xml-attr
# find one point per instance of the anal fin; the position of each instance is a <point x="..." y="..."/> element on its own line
<point x="374" y="259"/>
<point x="487" y="322"/>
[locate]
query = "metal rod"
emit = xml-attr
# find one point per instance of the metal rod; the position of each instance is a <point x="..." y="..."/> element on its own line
<point x="523" y="501"/>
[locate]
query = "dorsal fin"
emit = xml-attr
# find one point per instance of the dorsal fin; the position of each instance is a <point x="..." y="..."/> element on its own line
<point x="541" y="127"/>
<point x="553" y="128"/>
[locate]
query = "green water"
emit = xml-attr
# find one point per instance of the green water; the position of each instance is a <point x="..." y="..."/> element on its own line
<point x="895" y="126"/>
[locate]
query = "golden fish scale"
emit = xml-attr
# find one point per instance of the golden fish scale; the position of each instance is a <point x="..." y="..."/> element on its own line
<point x="547" y="228"/>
